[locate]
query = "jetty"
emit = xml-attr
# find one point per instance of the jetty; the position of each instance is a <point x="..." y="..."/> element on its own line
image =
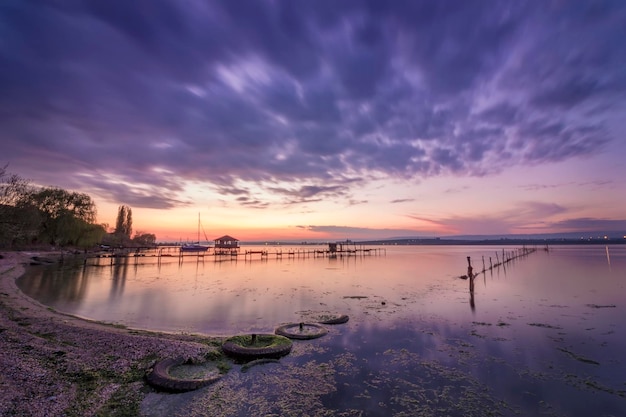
<point x="161" y="253"/>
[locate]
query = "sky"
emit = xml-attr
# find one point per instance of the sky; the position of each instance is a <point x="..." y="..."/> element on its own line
<point x="314" y="120"/>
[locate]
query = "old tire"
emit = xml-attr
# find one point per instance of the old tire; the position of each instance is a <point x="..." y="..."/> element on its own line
<point x="301" y="331"/>
<point x="334" y="319"/>
<point x="160" y="377"/>
<point x="243" y="347"/>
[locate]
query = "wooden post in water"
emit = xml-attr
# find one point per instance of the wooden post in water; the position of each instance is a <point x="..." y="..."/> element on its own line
<point x="470" y="275"/>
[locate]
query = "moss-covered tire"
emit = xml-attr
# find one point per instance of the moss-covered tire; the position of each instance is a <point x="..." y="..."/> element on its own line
<point x="302" y="331"/>
<point x="159" y="377"/>
<point x="246" y="347"/>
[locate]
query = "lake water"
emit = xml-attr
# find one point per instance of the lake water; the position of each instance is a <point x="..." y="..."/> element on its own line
<point x="541" y="335"/>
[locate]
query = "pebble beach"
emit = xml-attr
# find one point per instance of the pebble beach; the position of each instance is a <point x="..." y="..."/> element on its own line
<point x="52" y="364"/>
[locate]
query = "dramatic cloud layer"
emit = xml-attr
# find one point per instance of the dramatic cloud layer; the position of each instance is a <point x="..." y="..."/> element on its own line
<point x="301" y="100"/>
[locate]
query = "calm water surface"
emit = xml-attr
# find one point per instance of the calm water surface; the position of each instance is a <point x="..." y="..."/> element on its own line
<point x="542" y="335"/>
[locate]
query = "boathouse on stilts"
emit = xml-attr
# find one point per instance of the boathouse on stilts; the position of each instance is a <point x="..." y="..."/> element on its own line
<point x="226" y="244"/>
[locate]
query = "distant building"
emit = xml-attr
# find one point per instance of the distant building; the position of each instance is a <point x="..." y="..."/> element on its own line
<point x="226" y="242"/>
<point x="340" y="246"/>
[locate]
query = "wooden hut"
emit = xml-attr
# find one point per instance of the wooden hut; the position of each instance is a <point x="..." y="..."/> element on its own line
<point x="226" y="243"/>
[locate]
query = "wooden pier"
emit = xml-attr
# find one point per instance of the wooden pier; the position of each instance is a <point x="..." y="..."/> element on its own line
<point x="218" y="255"/>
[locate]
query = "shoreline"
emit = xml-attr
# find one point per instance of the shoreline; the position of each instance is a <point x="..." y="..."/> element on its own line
<point x="57" y="364"/>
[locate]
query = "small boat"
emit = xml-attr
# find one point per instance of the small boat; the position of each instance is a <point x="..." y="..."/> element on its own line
<point x="195" y="247"/>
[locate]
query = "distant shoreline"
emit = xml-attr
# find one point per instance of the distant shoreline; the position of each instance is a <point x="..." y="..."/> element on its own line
<point x="493" y="242"/>
<point x="449" y="242"/>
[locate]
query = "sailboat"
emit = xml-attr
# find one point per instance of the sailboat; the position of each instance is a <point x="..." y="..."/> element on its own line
<point x="195" y="247"/>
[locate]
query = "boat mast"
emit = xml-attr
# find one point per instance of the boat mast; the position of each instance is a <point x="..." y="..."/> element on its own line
<point x="198" y="227"/>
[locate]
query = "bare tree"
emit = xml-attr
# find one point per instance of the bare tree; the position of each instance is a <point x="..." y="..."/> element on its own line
<point x="13" y="188"/>
<point x="18" y="223"/>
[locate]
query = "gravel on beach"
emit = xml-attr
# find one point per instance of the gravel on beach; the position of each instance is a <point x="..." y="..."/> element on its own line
<point x="52" y="364"/>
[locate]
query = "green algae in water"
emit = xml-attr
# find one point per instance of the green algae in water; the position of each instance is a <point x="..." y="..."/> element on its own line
<point x="545" y="326"/>
<point x="578" y="357"/>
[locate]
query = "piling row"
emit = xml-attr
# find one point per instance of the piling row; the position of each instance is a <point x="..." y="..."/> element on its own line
<point x="507" y="256"/>
<point x="502" y="259"/>
<point x="218" y="255"/>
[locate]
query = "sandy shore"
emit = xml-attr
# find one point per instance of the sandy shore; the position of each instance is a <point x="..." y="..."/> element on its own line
<point x="53" y="364"/>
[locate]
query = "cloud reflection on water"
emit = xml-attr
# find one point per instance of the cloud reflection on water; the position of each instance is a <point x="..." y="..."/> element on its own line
<point x="545" y="334"/>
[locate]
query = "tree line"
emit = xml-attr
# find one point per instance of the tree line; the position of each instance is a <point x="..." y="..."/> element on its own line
<point x="34" y="216"/>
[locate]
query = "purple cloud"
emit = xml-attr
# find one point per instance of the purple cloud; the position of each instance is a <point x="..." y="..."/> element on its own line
<point x="319" y="93"/>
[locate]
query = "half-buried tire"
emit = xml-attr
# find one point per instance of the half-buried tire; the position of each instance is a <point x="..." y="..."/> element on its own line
<point x="333" y="318"/>
<point x="159" y="377"/>
<point x="249" y="347"/>
<point x="302" y="331"/>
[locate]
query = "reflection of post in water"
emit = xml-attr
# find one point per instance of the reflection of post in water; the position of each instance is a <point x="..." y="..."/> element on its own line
<point x="471" y="276"/>
<point x="118" y="277"/>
